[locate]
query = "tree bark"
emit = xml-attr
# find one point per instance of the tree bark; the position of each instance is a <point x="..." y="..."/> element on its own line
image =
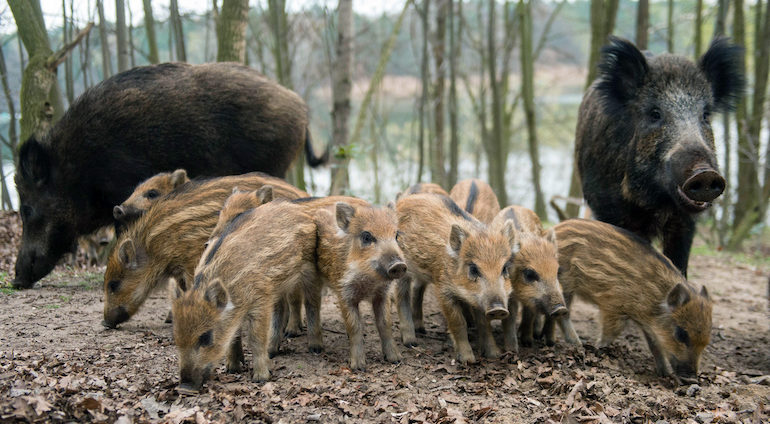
<point x="69" y="84"/>
<point x="343" y="86"/>
<point x="149" y="27"/>
<point x="748" y="180"/>
<point x="454" y="56"/>
<point x="122" y="35"/>
<point x="425" y="78"/>
<point x="176" y="24"/>
<point x="670" y="26"/>
<point x="131" y="47"/>
<point x="103" y="38"/>
<point x="495" y="154"/>
<point x="438" y="171"/>
<point x="642" y="23"/>
<point x="698" y="28"/>
<point x="13" y="138"/>
<point x="231" y="31"/>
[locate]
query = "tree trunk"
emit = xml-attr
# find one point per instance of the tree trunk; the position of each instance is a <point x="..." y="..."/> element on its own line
<point x="231" y="31"/>
<point x="698" y="28"/>
<point x="343" y="86"/>
<point x="761" y="64"/>
<point x="122" y="35"/>
<point x="131" y="47"/>
<point x="103" y="38"/>
<point x="13" y="138"/>
<point x="425" y="78"/>
<point x="528" y="93"/>
<point x="670" y="27"/>
<point x="748" y="180"/>
<point x="437" y="169"/>
<point x="176" y="24"/>
<point x="149" y="27"/>
<point x="495" y="156"/>
<point x="69" y="84"/>
<point x="455" y="35"/>
<point x="642" y="23"/>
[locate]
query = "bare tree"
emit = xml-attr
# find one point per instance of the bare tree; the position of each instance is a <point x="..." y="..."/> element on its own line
<point x="437" y="169"/>
<point x="178" y="30"/>
<point x="103" y="38"/>
<point x="748" y="180"/>
<point x="494" y="143"/>
<point x="642" y="23"/>
<point x="455" y="32"/>
<point x="149" y="27"/>
<point x="122" y="35"/>
<point x="69" y="84"/>
<point x="231" y="31"/>
<point x="342" y="75"/>
<point x="670" y="26"/>
<point x="698" y="28"/>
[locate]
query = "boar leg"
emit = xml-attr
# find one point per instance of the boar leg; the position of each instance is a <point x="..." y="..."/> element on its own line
<point x="612" y="326"/>
<point x="677" y="241"/>
<point x="527" y="326"/>
<point x="259" y="327"/>
<point x="548" y="331"/>
<point x="278" y="323"/>
<point x="485" y="341"/>
<point x="235" y="355"/>
<point x="458" y="329"/>
<point x="509" y="327"/>
<point x="384" y="324"/>
<point x="294" y="327"/>
<point x="312" y="294"/>
<point x="353" y="325"/>
<point x="570" y="335"/>
<point x="417" y="300"/>
<point x="405" y="317"/>
<point x="662" y="366"/>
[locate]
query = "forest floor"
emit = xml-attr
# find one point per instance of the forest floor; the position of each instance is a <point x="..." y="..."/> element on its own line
<point x="58" y="364"/>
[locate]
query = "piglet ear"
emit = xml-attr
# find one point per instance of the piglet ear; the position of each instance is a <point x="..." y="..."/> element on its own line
<point x="34" y="162"/>
<point x="217" y="295"/>
<point x="510" y="233"/>
<point x="456" y="238"/>
<point x="678" y="296"/>
<point x="622" y="70"/>
<point x="704" y="293"/>
<point x="391" y="205"/>
<point x="723" y="65"/>
<point x="127" y="253"/>
<point x="179" y="288"/>
<point x="550" y="235"/>
<point x="344" y="213"/>
<point x="178" y="178"/>
<point x="264" y="194"/>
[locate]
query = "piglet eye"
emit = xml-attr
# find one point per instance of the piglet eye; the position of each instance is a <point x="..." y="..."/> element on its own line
<point x="113" y="285"/>
<point x="530" y="275"/>
<point x="151" y="194"/>
<point x="505" y="270"/>
<point x="682" y="336"/>
<point x="205" y="339"/>
<point x="655" y="115"/>
<point x="367" y="238"/>
<point x="473" y="271"/>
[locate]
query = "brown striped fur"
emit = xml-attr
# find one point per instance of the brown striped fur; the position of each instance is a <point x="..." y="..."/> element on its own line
<point x="466" y="262"/>
<point x="422" y="188"/>
<point x="627" y="279"/>
<point x="477" y="198"/>
<point x="147" y="193"/>
<point x="167" y="241"/>
<point x="240" y="282"/>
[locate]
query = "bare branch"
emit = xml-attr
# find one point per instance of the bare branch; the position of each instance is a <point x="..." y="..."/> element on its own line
<point x="57" y="58"/>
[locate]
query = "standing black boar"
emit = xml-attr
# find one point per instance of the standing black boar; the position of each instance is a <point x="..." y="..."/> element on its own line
<point x="644" y="145"/>
<point x="212" y="119"/>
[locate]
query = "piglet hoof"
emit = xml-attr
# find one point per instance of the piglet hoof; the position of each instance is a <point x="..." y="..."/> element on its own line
<point x="260" y="376"/>
<point x="492" y="353"/>
<point x="410" y="342"/>
<point x="466" y="359"/>
<point x="315" y="349"/>
<point x="393" y="357"/>
<point x="236" y="368"/>
<point x="292" y="332"/>
<point x="169" y="319"/>
<point x="272" y="353"/>
<point x="512" y="348"/>
<point x="358" y="365"/>
<point x="550" y="342"/>
<point x="420" y="330"/>
<point x="527" y="341"/>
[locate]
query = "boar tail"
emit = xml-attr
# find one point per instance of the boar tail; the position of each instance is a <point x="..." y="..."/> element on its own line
<point x="312" y="159"/>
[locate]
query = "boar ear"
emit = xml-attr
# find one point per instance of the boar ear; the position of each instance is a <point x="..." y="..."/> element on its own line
<point x="456" y="238"/>
<point x="509" y="231"/>
<point x="622" y="70"/>
<point x="704" y="293"/>
<point x="178" y="178"/>
<point x="264" y="194"/>
<point x="179" y="288"/>
<point x="344" y="214"/>
<point x="678" y="296"/>
<point x="127" y="253"/>
<point x="391" y="205"/>
<point x="34" y="162"/>
<point x="550" y="235"/>
<point x="723" y="65"/>
<point x="217" y="295"/>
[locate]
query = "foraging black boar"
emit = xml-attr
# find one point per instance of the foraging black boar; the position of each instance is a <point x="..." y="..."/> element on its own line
<point x="211" y="119"/>
<point x="627" y="279"/>
<point x="644" y="146"/>
<point x="477" y="198"/>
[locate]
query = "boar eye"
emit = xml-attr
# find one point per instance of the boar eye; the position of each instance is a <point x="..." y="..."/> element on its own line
<point x="505" y="271"/>
<point x="682" y="336"/>
<point x="367" y="238"/>
<point x="473" y="271"/>
<point x="204" y="339"/>
<point x="114" y="285"/>
<point x="530" y="275"/>
<point x="398" y="234"/>
<point x="655" y="115"/>
<point x="151" y="194"/>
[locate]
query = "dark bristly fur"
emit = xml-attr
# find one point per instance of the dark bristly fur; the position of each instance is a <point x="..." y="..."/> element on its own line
<point x="474" y="191"/>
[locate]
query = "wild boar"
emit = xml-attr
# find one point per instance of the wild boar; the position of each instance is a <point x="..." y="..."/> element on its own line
<point x="477" y="198"/>
<point x="147" y="193"/>
<point x="466" y="262"/>
<point x="212" y="119"/>
<point x="644" y="146"/>
<point x="534" y="277"/>
<point x="240" y="282"/>
<point x="422" y="188"/>
<point x="359" y="257"/>
<point x="627" y="279"/>
<point x="167" y="241"/>
<point x="94" y="246"/>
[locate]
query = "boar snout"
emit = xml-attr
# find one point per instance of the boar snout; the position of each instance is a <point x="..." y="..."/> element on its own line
<point x="496" y="310"/>
<point x="397" y="269"/>
<point x="558" y="310"/>
<point x="118" y="212"/>
<point x="683" y="368"/>
<point x="704" y="185"/>
<point x="115" y="316"/>
<point x="30" y="267"/>
<point x="191" y="381"/>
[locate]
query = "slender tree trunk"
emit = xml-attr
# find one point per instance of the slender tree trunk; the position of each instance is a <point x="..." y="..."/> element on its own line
<point x="528" y="93"/>
<point x="131" y="47"/>
<point x="69" y="84"/>
<point x="748" y="181"/>
<point x="425" y="76"/>
<point x="762" y="65"/>
<point x="103" y="38"/>
<point x="454" y="56"/>
<point x="13" y="138"/>
<point x="642" y="23"/>
<point x="343" y="86"/>
<point x="206" y="37"/>
<point x="698" y="28"/>
<point x="122" y="35"/>
<point x="496" y="159"/>
<point x="176" y="24"/>
<point x="670" y="27"/>
<point x="231" y="31"/>
<point x="438" y="171"/>
<point x="149" y="27"/>
<point x="720" y="29"/>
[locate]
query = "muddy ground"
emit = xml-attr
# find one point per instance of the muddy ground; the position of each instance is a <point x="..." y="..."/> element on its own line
<point x="57" y="363"/>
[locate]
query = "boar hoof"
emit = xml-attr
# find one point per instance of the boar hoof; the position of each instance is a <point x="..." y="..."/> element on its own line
<point x="410" y="342"/>
<point x="492" y="353"/>
<point x="550" y="342"/>
<point x="420" y="330"/>
<point x="527" y="341"/>
<point x="260" y="377"/>
<point x="466" y="359"/>
<point x="272" y="353"/>
<point x="358" y="366"/>
<point x="168" y="318"/>
<point x="292" y="333"/>
<point x="393" y="358"/>
<point x="234" y="368"/>
<point x="315" y="349"/>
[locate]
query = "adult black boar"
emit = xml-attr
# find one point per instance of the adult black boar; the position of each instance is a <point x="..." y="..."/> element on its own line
<point x="644" y="145"/>
<point x="212" y="119"/>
